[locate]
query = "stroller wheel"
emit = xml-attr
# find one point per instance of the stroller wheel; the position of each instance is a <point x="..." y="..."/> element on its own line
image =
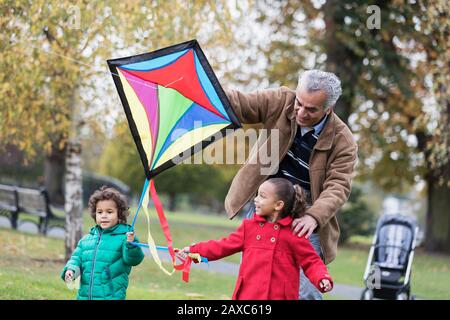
<point x="402" y="296"/>
<point x="367" y="294"/>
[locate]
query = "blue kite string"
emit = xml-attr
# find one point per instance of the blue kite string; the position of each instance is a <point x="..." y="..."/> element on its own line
<point x="144" y="190"/>
<point x="145" y="245"/>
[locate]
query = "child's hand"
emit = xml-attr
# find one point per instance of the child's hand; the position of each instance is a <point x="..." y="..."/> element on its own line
<point x="68" y="276"/>
<point x="183" y="253"/>
<point x="130" y="236"/>
<point x="325" y="285"/>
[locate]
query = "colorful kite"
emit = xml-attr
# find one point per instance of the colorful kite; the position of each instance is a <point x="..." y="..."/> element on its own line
<point x="175" y="106"/>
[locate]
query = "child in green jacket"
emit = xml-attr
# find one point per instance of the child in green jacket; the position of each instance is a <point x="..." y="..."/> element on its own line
<point x="105" y="256"/>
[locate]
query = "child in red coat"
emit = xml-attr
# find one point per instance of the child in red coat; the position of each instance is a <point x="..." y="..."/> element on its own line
<point x="272" y="254"/>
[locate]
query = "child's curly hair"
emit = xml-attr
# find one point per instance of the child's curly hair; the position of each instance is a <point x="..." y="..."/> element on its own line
<point x="108" y="193"/>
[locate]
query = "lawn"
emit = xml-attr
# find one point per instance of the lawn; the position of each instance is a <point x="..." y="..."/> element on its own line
<point x="430" y="277"/>
<point x="30" y="265"/>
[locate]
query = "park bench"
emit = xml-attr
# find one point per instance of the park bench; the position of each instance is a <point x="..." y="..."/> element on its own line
<point x="9" y="203"/>
<point x="18" y="201"/>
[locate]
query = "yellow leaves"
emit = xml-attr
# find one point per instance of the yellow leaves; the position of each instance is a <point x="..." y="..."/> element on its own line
<point x="42" y="72"/>
<point x="48" y="147"/>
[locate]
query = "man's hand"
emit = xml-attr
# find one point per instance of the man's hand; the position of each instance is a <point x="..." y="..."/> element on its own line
<point x="68" y="276"/>
<point x="304" y="226"/>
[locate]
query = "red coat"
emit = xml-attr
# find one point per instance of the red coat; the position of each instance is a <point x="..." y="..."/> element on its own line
<point x="272" y="257"/>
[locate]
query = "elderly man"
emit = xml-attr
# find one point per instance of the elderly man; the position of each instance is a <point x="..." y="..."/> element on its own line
<point x="317" y="151"/>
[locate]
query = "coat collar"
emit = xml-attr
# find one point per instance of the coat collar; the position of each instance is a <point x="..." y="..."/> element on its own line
<point x="326" y="137"/>
<point x="327" y="134"/>
<point x="286" y="221"/>
<point x="117" y="229"/>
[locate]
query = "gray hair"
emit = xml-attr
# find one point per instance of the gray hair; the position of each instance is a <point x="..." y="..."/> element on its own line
<point x="315" y="80"/>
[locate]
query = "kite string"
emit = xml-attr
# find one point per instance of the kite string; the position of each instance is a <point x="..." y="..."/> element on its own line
<point x="180" y="78"/>
<point x="144" y="191"/>
<point x="49" y="51"/>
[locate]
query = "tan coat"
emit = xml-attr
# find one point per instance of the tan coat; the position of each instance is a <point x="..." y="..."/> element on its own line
<point x="331" y="164"/>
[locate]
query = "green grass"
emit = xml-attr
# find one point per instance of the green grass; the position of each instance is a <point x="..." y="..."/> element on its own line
<point x="30" y="264"/>
<point x="30" y="268"/>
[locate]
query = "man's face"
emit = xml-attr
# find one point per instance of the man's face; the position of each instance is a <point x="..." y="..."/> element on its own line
<point x="309" y="107"/>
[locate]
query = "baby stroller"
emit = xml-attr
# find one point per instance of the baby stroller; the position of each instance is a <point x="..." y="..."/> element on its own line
<point x="388" y="270"/>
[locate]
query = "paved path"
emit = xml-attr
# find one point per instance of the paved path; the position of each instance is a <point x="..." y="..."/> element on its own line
<point x="340" y="291"/>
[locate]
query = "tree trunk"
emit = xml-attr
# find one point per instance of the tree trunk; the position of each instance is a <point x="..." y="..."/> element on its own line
<point x="54" y="167"/>
<point x="437" y="233"/>
<point x="340" y="61"/>
<point x="172" y="201"/>
<point x="73" y="197"/>
<point x="437" y="229"/>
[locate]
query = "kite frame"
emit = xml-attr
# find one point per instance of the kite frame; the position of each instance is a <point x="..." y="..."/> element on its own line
<point x="192" y="44"/>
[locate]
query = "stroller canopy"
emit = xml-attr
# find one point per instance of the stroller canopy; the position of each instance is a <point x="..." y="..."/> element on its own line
<point x="395" y="238"/>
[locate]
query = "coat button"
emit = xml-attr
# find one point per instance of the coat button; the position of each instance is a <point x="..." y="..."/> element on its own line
<point x="258" y="237"/>
<point x="272" y="239"/>
<point x="261" y="224"/>
<point x="276" y="227"/>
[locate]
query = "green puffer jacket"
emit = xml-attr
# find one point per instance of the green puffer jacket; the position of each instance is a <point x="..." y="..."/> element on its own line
<point x="104" y="260"/>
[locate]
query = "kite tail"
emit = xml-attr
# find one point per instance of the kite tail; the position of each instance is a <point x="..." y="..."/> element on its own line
<point x="162" y="220"/>
<point x="185" y="264"/>
<point x="152" y="245"/>
<point x="151" y="242"/>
